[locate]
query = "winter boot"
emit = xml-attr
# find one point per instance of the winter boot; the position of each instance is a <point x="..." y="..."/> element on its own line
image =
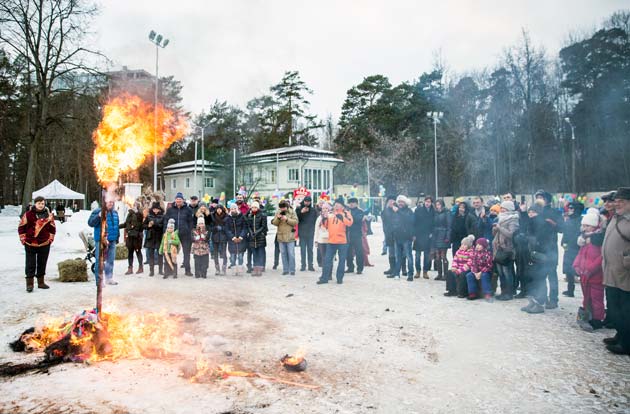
<point x="129" y="270"/>
<point x="224" y="270"/>
<point x="140" y="269"/>
<point x="417" y="275"/>
<point x="160" y="269"/>
<point x="151" y="268"/>
<point x="175" y="273"/>
<point x="425" y="275"/>
<point x="41" y="284"/>
<point x="217" y="270"/>
<point x="440" y="271"/>
<point x="30" y="282"/>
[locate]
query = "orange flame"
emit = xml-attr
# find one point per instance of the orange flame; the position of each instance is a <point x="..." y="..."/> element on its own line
<point x="128" y="133"/>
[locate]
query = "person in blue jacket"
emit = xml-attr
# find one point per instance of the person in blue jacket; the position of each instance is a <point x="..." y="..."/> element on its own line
<point x="182" y="214"/>
<point x="112" y="234"/>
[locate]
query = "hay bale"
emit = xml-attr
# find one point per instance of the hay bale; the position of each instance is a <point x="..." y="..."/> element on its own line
<point x="121" y="251"/>
<point x="73" y="270"/>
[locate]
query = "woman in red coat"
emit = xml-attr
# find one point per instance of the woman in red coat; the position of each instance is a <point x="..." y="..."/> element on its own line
<point x="37" y="232"/>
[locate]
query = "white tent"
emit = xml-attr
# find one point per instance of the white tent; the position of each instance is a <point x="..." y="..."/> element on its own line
<point x="57" y="191"/>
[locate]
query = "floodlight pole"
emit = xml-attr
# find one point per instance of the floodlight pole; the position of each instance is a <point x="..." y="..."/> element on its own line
<point x="159" y="42"/>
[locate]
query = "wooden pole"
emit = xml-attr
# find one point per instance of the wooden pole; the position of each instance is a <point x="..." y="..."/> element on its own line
<point x="101" y="253"/>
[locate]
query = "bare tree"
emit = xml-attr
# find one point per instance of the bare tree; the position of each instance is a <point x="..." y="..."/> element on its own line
<point x="48" y="36"/>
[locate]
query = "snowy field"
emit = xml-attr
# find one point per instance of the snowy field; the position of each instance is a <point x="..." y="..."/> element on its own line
<point x="373" y="345"/>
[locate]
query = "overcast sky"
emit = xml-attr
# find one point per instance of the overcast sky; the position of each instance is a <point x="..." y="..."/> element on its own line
<point x="234" y="50"/>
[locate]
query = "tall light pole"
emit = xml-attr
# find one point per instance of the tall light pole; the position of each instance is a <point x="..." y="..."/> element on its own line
<point x="436" y="116"/>
<point x="568" y="121"/>
<point x="159" y="42"/>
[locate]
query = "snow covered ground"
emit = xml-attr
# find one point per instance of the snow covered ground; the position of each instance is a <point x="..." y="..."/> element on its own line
<point x="374" y="345"/>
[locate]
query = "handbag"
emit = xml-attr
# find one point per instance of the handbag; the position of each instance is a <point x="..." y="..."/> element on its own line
<point x="538" y="257"/>
<point x="503" y="257"/>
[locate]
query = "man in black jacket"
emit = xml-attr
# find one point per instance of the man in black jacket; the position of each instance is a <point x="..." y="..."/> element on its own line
<point x="307" y="215"/>
<point x="423" y="227"/>
<point x="552" y="217"/>
<point x="183" y="217"/>
<point x="355" y="237"/>
<point x="388" y="216"/>
<point x="402" y="230"/>
<point x="477" y="219"/>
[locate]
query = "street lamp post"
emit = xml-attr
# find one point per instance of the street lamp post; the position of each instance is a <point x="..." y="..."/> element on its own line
<point x="159" y="42"/>
<point x="568" y="121"/>
<point x="436" y="116"/>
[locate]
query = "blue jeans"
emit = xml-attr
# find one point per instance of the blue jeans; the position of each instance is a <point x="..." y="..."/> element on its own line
<point x="425" y="264"/>
<point x="258" y="254"/>
<point x="110" y="256"/>
<point x="403" y="252"/>
<point x="331" y="251"/>
<point x="236" y="258"/>
<point x="486" y="285"/>
<point x="507" y="277"/>
<point x="287" y="252"/>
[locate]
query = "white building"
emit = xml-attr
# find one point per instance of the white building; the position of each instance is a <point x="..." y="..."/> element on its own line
<point x="186" y="178"/>
<point x="285" y="169"/>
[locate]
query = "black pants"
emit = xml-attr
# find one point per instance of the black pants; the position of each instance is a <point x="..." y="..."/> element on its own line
<point x="276" y="252"/>
<point x="36" y="259"/>
<point x="186" y="245"/>
<point x="219" y="251"/>
<point x="355" y="250"/>
<point x="306" y="250"/>
<point x="536" y="278"/>
<point x="201" y="265"/>
<point x="130" y="252"/>
<point x="619" y="313"/>
<point x="321" y="253"/>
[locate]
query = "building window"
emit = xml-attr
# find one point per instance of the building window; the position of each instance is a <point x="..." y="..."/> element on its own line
<point x="294" y="174"/>
<point x="326" y="180"/>
<point x="187" y="182"/>
<point x="249" y="177"/>
<point x="272" y="175"/>
<point x="209" y="182"/>
<point x="174" y="183"/>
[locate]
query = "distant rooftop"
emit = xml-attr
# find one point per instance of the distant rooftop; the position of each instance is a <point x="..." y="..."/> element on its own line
<point x="297" y="151"/>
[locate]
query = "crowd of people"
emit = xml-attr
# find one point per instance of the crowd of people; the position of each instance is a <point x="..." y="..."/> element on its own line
<point x="516" y="246"/>
<point x="499" y="242"/>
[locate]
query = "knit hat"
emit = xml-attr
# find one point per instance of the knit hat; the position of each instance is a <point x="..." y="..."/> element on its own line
<point x="201" y="221"/>
<point x="194" y="197"/>
<point x="255" y="204"/>
<point x="353" y="200"/>
<point x="536" y="207"/>
<point x="545" y="195"/>
<point x="468" y="240"/>
<point x="340" y="201"/>
<point x="496" y="209"/>
<point x="591" y="218"/>
<point x="179" y="195"/>
<point x="308" y="198"/>
<point x="156" y="205"/>
<point x="390" y="197"/>
<point x="508" y="205"/>
<point x="482" y="241"/>
<point x="171" y="224"/>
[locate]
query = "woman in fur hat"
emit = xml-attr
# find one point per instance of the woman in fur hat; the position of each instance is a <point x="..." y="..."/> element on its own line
<point x="200" y="248"/>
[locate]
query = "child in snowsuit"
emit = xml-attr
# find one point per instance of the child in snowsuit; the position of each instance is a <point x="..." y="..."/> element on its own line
<point x="456" y="277"/>
<point x="200" y="248"/>
<point x="480" y="270"/>
<point x="588" y="265"/>
<point x="169" y="249"/>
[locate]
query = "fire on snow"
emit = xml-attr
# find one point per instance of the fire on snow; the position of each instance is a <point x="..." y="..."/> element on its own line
<point x="128" y="134"/>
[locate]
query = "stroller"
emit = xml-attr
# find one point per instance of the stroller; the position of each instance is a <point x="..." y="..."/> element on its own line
<point x="90" y="247"/>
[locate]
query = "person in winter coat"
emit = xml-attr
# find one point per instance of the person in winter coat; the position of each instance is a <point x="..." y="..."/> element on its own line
<point x="112" y="234"/>
<point x="608" y="210"/>
<point x="462" y="260"/>
<point x="458" y="229"/>
<point x="257" y="237"/>
<point x="402" y="228"/>
<point x="441" y="238"/>
<point x="616" y="263"/>
<point x="588" y="266"/>
<point x="183" y="218"/>
<point x="133" y="237"/>
<point x="503" y="248"/>
<point x="540" y="235"/>
<point x="236" y="235"/>
<point x="307" y="215"/>
<point x="169" y="247"/>
<point x="570" y="234"/>
<point x="194" y="206"/>
<point x="37" y="232"/>
<point x="554" y="219"/>
<point x="286" y="219"/>
<point x="480" y="270"/>
<point x="423" y="229"/>
<point x="388" y="220"/>
<point x="200" y="248"/>
<point x="337" y="224"/>
<point x="355" y="238"/>
<point x="476" y="221"/>
<point x="154" y="226"/>
<point x="220" y="237"/>
<point x="321" y="232"/>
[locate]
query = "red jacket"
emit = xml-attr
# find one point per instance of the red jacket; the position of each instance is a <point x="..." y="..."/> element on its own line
<point x="481" y="261"/>
<point x="37" y="232"/>
<point x="588" y="263"/>
<point x="462" y="261"/>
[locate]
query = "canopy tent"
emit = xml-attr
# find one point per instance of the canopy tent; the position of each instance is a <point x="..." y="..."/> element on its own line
<point x="57" y="191"/>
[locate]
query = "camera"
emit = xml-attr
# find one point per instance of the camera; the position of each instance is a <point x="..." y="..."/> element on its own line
<point x="283" y="213"/>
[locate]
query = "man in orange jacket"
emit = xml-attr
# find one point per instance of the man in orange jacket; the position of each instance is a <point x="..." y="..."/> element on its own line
<point x="337" y="222"/>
